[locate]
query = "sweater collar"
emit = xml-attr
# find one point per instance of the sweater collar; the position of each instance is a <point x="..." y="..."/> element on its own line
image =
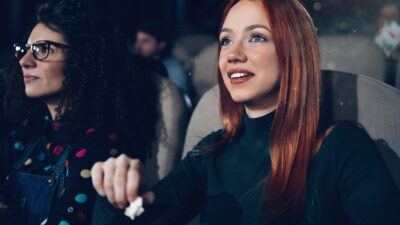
<point x="259" y="127"/>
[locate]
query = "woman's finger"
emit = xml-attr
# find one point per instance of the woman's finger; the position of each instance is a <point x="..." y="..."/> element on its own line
<point x="108" y="182"/>
<point x="97" y="175"/>
<point x="120" y="180"/>
<point x="133" y="179"/>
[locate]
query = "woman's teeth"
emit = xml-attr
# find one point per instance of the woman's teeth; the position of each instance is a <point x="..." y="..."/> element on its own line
<point x="239" y="75"/>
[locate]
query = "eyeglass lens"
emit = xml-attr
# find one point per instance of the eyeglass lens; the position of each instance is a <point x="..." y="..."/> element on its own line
<point x="39" y="51"/>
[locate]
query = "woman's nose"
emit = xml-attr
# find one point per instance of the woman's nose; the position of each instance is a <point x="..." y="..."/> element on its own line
<point x="237" y="54"/>
<point x="27" y="61"/>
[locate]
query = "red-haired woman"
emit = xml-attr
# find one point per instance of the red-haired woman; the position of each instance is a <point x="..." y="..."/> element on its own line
<point x="271" y="163"/>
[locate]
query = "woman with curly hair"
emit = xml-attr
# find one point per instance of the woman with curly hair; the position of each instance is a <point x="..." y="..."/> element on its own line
<point x="273" y="162"/>
<point x="78" y="98"/>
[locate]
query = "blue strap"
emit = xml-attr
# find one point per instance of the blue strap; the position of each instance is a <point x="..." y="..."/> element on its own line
<point x="59" y="168"/>
<point x="30" y="147"/>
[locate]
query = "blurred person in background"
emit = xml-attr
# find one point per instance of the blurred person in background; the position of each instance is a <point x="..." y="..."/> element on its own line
<point x="389" y="12"/>
<point x="388" y="39"/>
<point x="153" y="41"/>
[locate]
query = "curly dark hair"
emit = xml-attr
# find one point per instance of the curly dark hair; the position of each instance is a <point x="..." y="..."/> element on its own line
<point x="103" y="85"/>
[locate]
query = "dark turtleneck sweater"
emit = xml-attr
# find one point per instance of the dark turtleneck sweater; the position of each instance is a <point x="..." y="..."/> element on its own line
<point x="348" y="183"/>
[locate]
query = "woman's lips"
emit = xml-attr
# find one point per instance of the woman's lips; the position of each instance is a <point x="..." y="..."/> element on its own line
<point x="240" y="80"/>
<point x="240" y="77"/>
<point x="30" y="78"/>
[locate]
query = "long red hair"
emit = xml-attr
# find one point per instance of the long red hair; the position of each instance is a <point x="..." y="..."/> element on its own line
<point x="293" y="136"/>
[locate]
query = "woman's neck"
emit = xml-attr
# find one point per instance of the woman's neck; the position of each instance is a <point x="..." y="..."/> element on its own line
<point x="262" y="107"/>
<point x="52" y="106"/>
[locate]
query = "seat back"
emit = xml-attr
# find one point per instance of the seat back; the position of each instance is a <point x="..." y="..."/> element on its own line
<point x="375" y="105"/>
<point x="189" y="45"/>
<point x="172" y="127"/>
<point x="372" y="103"/>
<point x="352" y="53"/>
<point x="204" y="119"/>
<point x="205" y="70"/>
<point x="397" y="85"/>
<point x="192" y="44"/>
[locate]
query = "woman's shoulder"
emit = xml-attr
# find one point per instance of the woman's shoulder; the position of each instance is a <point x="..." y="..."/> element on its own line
<point x="206" y="144"/>
<point x="348" y="131"/>
<point x="348" y="138"/>
<point x="198" y="159"/>
<point x="209" y="140"/>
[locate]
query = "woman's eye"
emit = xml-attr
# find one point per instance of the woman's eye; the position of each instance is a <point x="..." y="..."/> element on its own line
<point x="258" y="38"/>
<point x="41" y="48"/>
<point x="225" y="41"/>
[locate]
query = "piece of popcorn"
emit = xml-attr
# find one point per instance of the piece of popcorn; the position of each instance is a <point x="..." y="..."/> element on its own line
<point x="135" y="208"/>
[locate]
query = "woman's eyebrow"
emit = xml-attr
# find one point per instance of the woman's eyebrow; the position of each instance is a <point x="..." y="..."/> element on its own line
<point x="254" y="26"/>
<point x="228" y="30"/>
<point x="248" y="28"/>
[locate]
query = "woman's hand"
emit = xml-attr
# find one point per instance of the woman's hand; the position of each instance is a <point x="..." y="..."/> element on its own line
<point x="118" y="179"/>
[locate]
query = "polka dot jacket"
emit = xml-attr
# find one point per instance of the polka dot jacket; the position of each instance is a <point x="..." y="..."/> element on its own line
<point x="78" y="195"/>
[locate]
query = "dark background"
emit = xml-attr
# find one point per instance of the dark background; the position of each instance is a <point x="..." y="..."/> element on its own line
<point x="188" y="16"/>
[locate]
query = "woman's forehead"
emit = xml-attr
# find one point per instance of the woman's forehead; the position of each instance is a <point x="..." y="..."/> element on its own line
<point x="246" y="13"/>
<point x="42" y="32"/>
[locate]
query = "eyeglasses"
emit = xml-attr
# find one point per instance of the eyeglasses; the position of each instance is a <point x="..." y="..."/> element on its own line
<point x="40" y="50"/>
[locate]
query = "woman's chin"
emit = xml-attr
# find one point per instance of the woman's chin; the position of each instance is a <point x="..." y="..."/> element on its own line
<point x="32" y="94"/>
<point x="240" y="99"/>
<point x="44" y="97"/>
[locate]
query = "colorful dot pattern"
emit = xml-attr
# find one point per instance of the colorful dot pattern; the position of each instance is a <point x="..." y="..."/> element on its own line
<point x="81" y="198"/>
<point x="81" y="153"/>
<point x="76" y="197"/>
<point x="89" y="131"/>
<point x="58" y="150"/>
<point x="70" y="209"/>
<point x="85" y="174"/>
<point x="18" y="146"/>
<point x="63" y="222"/>
<point x="113" y="152"/>
<point x="28" y="162"/>
<point x="56" y="125"/>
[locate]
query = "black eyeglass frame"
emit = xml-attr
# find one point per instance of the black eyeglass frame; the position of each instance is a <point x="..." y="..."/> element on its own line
<point x="20" y="51"/>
